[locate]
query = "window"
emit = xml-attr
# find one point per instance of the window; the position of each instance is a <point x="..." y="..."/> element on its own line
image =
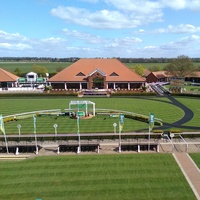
<point x="114" y="74"/>
<point x="80" y="74"/>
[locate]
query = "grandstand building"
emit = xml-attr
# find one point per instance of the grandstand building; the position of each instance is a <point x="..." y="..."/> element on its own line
<point x="97" y="74"/>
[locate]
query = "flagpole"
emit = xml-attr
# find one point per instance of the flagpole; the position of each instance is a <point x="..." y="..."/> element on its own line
<point x="149" y="138"/>
<point x="151" y="125"/>
<point x="78" y="132"/>
<point x="120" y="138"/>
<point x="34" y="123"/>
<point x="4" y="132"/>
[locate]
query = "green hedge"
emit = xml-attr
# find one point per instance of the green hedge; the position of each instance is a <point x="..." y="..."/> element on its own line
<point x="37" y="94"/>
<point x="142" y="119"/>
<point x="133" y="94"/>
<point x="185" y="94"/>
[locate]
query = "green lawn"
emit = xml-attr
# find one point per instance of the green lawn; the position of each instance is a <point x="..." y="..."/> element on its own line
<point x="196" y="158"/>
<point x="193" y="104"/>
<point x="27" y="67"/>
<point x="160" y="107"/>
<point x="117" y="177"/>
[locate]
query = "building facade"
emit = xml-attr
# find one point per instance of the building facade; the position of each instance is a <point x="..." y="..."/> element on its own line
<point x="97" y="74"/>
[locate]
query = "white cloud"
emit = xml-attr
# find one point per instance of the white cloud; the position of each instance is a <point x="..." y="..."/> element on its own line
<point x="184" y="44"/>
<point x="140" y="7"/>
<point x="4" y="36"/>
<point x="123" y="42"/>
<point x="13" y="41"/>
<point x="103" y="19"/>
<point x="52" y="40"/>
<point x="90" y="1"/>
<point x="10" y="46"/>
<point x="126" y="14"/>
<point x="193" y="5"/>
<point x="86" y="37"/>
<point x="179" y="29"/>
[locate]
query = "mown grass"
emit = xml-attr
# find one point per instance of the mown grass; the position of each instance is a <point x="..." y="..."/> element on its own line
<point x="26" y="67"/>
<point x="160" y="107"/>
<point x="196" y="158"/>
<point x="144" y="176"/>
<point x="193" y="104"/>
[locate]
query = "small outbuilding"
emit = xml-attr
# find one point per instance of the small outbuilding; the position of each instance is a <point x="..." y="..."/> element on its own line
<point x="31" y="77"/>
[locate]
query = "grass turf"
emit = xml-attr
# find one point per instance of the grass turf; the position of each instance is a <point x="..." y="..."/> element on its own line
<point x="138" y="176"/>
<point x="161" y="107"/>
<point x="193" y="104"/>
<point x="196" y="158"/>
<point x="28" y="66"/>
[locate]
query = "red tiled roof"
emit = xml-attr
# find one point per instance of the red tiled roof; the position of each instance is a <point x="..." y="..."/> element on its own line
<point x="114" y="70"/>
<point x="161" y="74"/>
<point x="146" y="72"/>
<point x="6" y="76"/>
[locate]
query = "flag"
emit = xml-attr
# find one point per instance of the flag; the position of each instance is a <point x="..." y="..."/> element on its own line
<point x="151" y="121"/>
<point x="121" y="126"/>
<point x="78" y="123"/>
<point x="2" y="125"/>
<point x="34" y="123"/>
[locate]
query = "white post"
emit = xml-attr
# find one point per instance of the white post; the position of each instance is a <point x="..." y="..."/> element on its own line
<point x="128" y="86"/>
<point x="98" y="149"/>
<point x="80" y="87"/>
<point x="36" y="152"/>
<point x="158" y="148"/>
<point x="17" y="151"/>
<point x="79" y="144"/>
<point x="65" y="86"/>
<point x="58" y="151"/>
<point x="138" y="148"/>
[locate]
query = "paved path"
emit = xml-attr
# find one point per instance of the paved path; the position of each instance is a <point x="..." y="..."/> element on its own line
<point x="190" y="171"/>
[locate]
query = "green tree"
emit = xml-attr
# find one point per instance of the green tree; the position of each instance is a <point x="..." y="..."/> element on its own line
<point x="59" y="68"/>
<point x="182" y="66"/>
<point x="155" y="68"/>
<point x="40" y="70"/>
<point x="17" y="71"/>
<point x="139" y="69"/>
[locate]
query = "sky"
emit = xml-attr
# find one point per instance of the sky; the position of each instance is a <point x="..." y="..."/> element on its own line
<point x="100" y="28"/>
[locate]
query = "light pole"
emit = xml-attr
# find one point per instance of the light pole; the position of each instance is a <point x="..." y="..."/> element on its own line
<point x="55" y="127"/>
<point x="115" y="125"/>
<point x="19" y="129"/>
<point x="35" y="133"/>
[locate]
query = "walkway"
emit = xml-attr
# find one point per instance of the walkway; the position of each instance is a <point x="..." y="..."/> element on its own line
<point x="190" y="171"/>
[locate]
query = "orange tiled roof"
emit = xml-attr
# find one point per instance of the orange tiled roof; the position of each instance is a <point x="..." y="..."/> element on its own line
<point x="161" y="74"/>
<point x="6" y="76"/>
<point x="114" y="70"/>
<point x="146" y="72"/>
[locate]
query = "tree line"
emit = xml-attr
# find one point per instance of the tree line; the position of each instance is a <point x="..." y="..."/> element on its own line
<point x="74" y="59"/>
